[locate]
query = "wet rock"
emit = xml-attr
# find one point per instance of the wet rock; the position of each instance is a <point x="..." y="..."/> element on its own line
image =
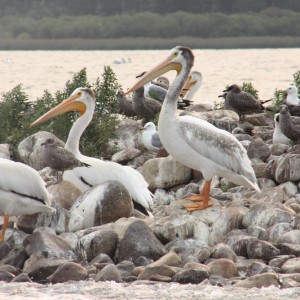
<point x="22" y="278"/>
<point x="104" y="203"/>
<point x="230" y="219"/>
<point x="4" y="151"/>
<point x="223" y="267"/>
<point x="164" y="173"/>
<point x="138" y="240"/>
<point x="124" y="156"/>
<point x="64" y="194"/>
<point x="50" y="245"/>
<point x="109" y="273"/>
<point x="190" y="276"/>
<point x="258" y="149"/>
<point x="61" y="221"/>
<point x="259" y="281"/>
<point x="223" y="251"/>
<point x="31" y="152"/>
<point x="162" y="270"/>
<point x="100" y="241"/>
<point x="68" y="271"/>
<point x="170" y="227"/>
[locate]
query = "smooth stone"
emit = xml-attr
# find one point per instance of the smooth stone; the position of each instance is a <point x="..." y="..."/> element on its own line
<point x="138" y="240"/>
<point x="278" y="261"/>
<point x="223" y="267"/>
<point x="259" y="169"/>
<point x="15" y="257"/>
<point x="125" y="268"/>
<point x="288" y="168"/>
<point x="291" y="265"/>
<point x="222" y="250"/>
<point x="208" y="215"/>
<point x="104" y="203"/>
<point x="22" y="277"/>
<point x="101" y="258"/>
<point x="11" y="269"/>
<point x="274" y="233"/>
<point x="201" y="231"/>
<point x="259" y="281"/>
<point x="261" y="249"/>
<point x="109" y="273"/>
<point x="124" y="156"/>
<point x="6" y="276"/>
<point x="279" y="149"/>
<point x="100" y="241"/>
<point x="68" y="271"/>
<point x="289" y="249"/>
<point x="169" y="259"/>
<point x="71" y="238"/>
<point x="190" y="276"/>
<point x="292" y="237"/>
<point x="258" y="149"/>
<point x="257" y="119"/>
<point x="165" y="173"/>
<point x="162" y="270"/>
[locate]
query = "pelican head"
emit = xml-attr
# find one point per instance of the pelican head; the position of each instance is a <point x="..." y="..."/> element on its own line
<point x="292" y="89"/>
<point x="176" y="59"/>
<point x="194" y="80"/>
<point x="79" y="100"/>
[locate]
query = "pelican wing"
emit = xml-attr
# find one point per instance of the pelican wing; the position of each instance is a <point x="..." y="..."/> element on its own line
<point x="217" y="145"/>
<point x="22" y="179"/>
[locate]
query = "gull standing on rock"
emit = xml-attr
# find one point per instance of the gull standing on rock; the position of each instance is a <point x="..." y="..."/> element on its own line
<point x="22" y="192"/>
<point x="292" y="100"/>
<point x="151" y="138"/>
<point x="194" y="142"/>
<point x="278" y="136"/>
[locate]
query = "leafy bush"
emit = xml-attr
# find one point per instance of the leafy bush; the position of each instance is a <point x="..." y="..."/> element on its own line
<point x="17" y="114"/>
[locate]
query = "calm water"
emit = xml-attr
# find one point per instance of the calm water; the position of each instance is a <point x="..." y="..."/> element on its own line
<point x="267" y="69"/>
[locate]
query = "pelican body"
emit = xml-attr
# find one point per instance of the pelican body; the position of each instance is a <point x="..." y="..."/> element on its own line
<point x="98" y="171"/>
<point x="194" y="142"/>
<point x="22" y="192"/>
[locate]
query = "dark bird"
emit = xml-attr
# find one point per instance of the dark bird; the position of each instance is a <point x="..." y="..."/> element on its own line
<point x="162" y="81"/>
<point x="145" y="107"/>
<point x="289" y="125"/>
<point x="242" y="102"/>
<point x="125" y="105"/>
<point x="58" y="158"/>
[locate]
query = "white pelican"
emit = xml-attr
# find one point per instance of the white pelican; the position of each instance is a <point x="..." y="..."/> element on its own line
<point x="194" y="142"/>
<point x="151" y="138"/>
<point x="98" y="171"/>
<point x="192" y="85"/>
<point x="22" y="192"/>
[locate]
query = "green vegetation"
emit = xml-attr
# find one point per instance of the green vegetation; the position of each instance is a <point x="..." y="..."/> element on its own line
<point x="16" y="108"/>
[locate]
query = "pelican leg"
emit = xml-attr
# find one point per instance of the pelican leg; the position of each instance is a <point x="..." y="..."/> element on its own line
<point x="203" y="197"/>
<point x="4" y="226"/>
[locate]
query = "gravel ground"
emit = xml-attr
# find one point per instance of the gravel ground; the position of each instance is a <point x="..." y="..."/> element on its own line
<point x="139" y="290"/>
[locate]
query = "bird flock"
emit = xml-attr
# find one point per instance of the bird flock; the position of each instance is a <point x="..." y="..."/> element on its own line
<point x="192" y="141"/>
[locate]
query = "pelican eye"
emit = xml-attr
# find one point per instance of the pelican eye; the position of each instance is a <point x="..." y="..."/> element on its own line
<point x="79" y="94"/>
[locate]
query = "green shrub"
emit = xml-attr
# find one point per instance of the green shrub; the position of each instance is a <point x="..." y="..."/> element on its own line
<point x="17" y="114"/>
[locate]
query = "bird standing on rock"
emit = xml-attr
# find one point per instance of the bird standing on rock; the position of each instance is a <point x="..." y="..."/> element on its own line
<point x="242" y="102"/>
<point x="151" y="138"/>
<point x="194" y="142"/>
<point x="292" y="101"/>
<point x="278" y="136"/>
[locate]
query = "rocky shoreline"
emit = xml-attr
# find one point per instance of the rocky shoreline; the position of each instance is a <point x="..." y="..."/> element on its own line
<point x="246" y="239"/>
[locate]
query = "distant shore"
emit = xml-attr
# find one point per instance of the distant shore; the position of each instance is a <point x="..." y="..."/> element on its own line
<point x="151" y="43"/>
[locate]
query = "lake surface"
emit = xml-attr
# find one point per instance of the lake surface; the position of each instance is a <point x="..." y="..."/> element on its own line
<point x="266" y="69"/>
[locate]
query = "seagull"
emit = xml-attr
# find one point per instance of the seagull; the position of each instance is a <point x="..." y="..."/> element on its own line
<point x="242" y="102"/>
<point x="151" y="138"/>
<point x="83" y="100"/>
<point x="125" y="105"/>
<point x="22" y="192"/>
<point x="58" y="158"/>
<point x="278" y="136"/>
<point x="289" y="125"/>
<point x="292" y="100"/>
<point x="194" y="142"/>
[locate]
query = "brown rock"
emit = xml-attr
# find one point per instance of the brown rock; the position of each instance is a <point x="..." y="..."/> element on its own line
<point x="223" y="267"/>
